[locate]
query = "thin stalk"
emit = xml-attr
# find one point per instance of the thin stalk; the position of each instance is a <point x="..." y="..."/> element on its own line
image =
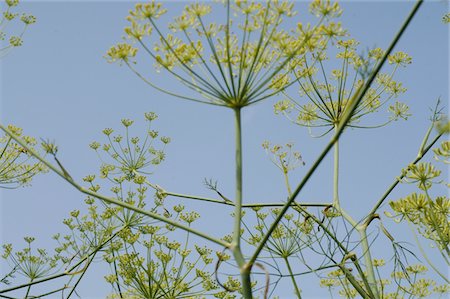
<point x="81" y="276"/>
<point x="216" y="57"/>
<point x="286" y="181"/>
<point x="249" y="205"/>
<point x="28" y="289"/>
<point x="210" y="89"/>
<point x="49" y="293"/>
<point x="230" y="203"/>
<point x="115" y="271"/>
<point x="399" y="178"/>
<point x="297" y="290"/>
<point x="427" y="134"/>
<point x="166" y="91"/>
<point x="227" y="45"/>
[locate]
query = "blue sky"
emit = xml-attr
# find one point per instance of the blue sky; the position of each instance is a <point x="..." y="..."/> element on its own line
<point x="59" y="86"/>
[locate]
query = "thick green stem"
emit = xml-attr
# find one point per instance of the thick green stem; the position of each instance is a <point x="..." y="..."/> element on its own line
<point x="237" y="253"/>
<point x="246" y="282"/>
<point x="297" y="290"/>
<point x="336" y="202"/>
<point x="238" y="199"/>
<point x="368" y="261"/>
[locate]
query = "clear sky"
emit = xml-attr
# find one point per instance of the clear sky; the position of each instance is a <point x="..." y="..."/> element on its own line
<point x="59" y="86"/>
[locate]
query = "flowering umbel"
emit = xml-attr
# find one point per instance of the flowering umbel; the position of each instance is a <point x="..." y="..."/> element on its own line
<point x="232" y="63"/>
<point x="17" y="166"/>
<point x="328" y="95"/>
<point x="131" y="156"/>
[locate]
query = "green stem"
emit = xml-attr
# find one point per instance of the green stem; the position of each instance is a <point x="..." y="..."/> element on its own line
<point x="230" y="203"/>
<point x="246" y="282"/>
<point x="115" y="272"/>
<point x="49" y="293"/>
<point x="398" y="179"/>
<point x="81" y="276"/>
<point x="336" y="202"/>
<point x="368" y="261"/>
<point x="238" y="200"/>
<point x="236" y="245"/>
<point x="28" y="289"/>
<point x="297" y="290"/>
<point x="286" y="181"/>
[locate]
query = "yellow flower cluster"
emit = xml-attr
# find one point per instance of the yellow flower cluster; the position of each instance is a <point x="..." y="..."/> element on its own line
<point x="327" y="97"/>
<point x="17" y="166"/>
<point x="212" y="58"/>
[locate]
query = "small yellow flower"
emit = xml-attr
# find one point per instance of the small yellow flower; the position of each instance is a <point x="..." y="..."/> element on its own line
<point x="198" y="10"/>
<point x="446" y="18"/>
<point x="147" y="11"/>
<point x="379" y="262"/>
<point x="15" y="41"/>
<point x="400" y="58"/>
<point x="324" y="8"/>
<point x="120" y="52"/>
